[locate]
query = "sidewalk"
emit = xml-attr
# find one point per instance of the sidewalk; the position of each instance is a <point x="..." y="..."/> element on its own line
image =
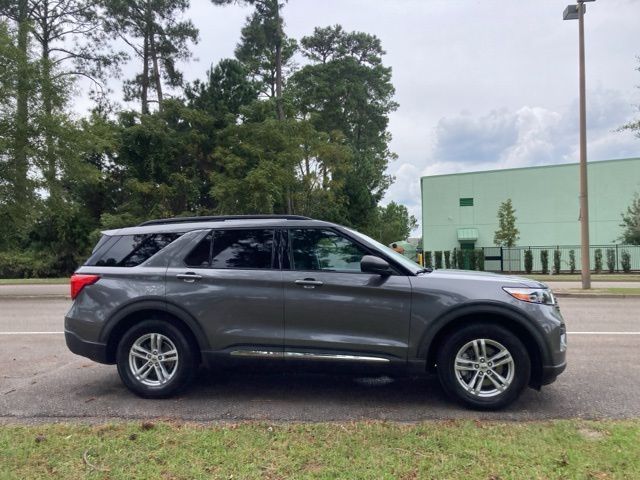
<point x="27" y="291"/>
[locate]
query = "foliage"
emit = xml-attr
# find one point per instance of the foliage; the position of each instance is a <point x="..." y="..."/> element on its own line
<point x="626" y="261"/>
<point x="158" y="37"/>
<point x="390" y="223"/>
<point x="557" y="264"/>
<point x="447" y="259"/>
<point x="544" y="260"/>
<point x="528" y="261"/>
<point x="507" y="234"/>
<point x="459" y="258"/>
<point x="572" y="261"/>
<point x="438" y="256"/>
<point x="611" y="260"/>
<point x="479" y="259"/>
<point x="428" y="259"/>
<point x="631" y="222"/>
<point x="598" y="260"/>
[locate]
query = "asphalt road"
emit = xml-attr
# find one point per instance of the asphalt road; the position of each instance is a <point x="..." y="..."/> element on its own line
<point x="40" y="380"/>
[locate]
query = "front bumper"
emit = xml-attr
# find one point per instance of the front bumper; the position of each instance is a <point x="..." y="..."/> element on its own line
<point x="95" y="351"/>
<point x="551" y="372"/>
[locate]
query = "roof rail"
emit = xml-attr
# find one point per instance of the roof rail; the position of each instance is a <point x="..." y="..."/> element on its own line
<point x="220" y="218"/>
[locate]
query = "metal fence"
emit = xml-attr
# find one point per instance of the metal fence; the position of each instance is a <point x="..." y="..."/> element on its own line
<point x="499" y="259"/>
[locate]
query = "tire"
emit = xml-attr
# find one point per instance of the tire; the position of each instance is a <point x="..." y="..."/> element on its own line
<point x="486" y="382"/>
<point x="145" y="359"/>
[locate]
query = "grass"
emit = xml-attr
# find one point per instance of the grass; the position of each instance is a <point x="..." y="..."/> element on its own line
<point x="595" y="277"/>
<point x="608" y="291"/>
<point x="34" y="281"/>
<point x="439" y="450"/>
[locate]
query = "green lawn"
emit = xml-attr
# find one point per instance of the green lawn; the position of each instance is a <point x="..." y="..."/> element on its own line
<point x="608" y="291"/>
<point x="439" y="450"/>
<point x="34" y="281"/>
<point x="595" y="277"/>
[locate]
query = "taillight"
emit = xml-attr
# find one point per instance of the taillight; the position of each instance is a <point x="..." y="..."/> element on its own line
<point x="79" y="281"/>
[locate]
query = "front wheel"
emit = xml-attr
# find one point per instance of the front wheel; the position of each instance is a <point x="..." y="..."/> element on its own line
<point x="484" y="366"/>
<point x="155" y="359"/>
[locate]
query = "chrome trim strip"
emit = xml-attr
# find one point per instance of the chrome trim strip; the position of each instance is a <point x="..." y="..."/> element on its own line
<point x="256" y="353"/>
<point x="330" y="356"/>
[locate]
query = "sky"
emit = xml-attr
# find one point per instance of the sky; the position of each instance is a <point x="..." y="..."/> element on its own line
<point x="480" y="84"/>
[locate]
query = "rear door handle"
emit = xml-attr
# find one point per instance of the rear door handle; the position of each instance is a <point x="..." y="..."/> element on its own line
<point x="309" y="283"/>
<point x="189" y="277"/>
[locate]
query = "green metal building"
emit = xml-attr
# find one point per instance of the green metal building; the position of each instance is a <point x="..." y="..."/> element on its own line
<point x="460" y="210"/>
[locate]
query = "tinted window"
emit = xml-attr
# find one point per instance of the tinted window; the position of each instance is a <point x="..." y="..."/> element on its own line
<point x="201" y="255"/>
<point x="130" y="250"/>
<point x="242" y="249"/>
<point x="324" y="250"/>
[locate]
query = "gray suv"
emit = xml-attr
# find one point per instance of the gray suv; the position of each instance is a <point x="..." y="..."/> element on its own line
<point x="163" y="297"/>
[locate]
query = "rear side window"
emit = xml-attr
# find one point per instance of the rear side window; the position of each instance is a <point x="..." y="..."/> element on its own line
<point x="238" y="249"/>
<point x="129" y="250"/>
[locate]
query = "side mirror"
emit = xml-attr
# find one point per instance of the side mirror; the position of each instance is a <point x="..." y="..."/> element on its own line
<point x="375" y="265"/>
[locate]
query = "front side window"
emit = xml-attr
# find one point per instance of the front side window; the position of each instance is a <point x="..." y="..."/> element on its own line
<point x="239" y="249"/>
<point x="314" y="249"/>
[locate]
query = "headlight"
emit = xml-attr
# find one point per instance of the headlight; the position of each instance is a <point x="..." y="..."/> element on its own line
<point x="532" y="295"/>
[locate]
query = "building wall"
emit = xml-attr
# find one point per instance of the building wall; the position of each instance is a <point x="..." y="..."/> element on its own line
<point x="545" y="199"/>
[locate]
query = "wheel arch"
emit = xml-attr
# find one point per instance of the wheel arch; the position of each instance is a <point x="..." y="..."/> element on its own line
<point x="135" y="313"/>
<point x="515" y="322"/>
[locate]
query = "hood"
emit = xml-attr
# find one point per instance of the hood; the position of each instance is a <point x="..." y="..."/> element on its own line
<point x="470" y="275"/>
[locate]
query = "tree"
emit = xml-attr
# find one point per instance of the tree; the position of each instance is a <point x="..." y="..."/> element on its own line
<point x="507" y="234"/>
<point x="346" y="88"/>
<point x="634" y="125"/>
<point x="265" y="50"/>
<point x="158" y="38"/>
<point x="392" y="223"/>
<point x="631" y="223"/>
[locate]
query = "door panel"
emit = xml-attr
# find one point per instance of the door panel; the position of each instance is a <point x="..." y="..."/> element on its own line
<point x="330" y="306"/>
<point x="237" y="307"/>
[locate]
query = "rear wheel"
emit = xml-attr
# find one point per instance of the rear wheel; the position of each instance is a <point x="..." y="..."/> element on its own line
<point x="155" y="359"/>
<point x="484" y="366"/>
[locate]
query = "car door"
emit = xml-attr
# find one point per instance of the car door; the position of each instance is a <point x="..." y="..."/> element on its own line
<point x="229" y="281"/>
<point x="333" y="310"/>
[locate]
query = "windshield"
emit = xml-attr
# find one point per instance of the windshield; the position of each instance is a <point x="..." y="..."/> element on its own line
<point x="398" y="257"/>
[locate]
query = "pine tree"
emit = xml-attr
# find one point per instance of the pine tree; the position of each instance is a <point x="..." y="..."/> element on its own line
<point x="507" y="234"/>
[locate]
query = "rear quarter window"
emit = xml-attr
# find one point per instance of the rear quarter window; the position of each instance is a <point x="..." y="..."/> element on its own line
<point x="129" y="250"/>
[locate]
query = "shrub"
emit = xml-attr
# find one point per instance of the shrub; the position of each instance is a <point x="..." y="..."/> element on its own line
<point x="544" y="260"/>
<point x="479" y="259"/>
<point x="470" y="259"/>
<point x="447" y="259"/>
<point x="427" y="260"/>
<point x="598" y="260"/>
<point x="439" y="259"/>
<point x="528" y="261"/>
<point x="557" y="254"/>
<point x="626" y="261"/>
<point x="28" y="264"/>
<point x="572" y="261"/>
<point x="611" y="260"/>
<point x="460" y="259"/>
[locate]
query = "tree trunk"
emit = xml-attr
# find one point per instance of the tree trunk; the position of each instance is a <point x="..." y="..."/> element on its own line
<point x="50" y="165"/>
<point x="279" y="107"/>
<point x="144" y="95"/>
<point x="20" y="146"/>
<point x="156" y="70"/>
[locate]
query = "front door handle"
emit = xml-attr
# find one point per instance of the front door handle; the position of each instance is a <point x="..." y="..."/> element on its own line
<point x="189" y="277"/>
<point x="309" y="283"/>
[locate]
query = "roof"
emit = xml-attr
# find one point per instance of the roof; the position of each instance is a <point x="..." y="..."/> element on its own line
<point x="554" y="165"/>
<point x="237" y="221"/>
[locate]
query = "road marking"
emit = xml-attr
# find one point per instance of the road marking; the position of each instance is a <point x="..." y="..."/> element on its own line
<point x="603" y="333"/>
<point x="31" y="333"/>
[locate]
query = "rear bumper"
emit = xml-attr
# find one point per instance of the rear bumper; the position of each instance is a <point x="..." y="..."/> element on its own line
<point x="551" y="372"/>
<point x="95" y="351"/>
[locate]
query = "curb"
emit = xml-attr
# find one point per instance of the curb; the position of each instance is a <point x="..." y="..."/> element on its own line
<point x="50" y="296"/>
